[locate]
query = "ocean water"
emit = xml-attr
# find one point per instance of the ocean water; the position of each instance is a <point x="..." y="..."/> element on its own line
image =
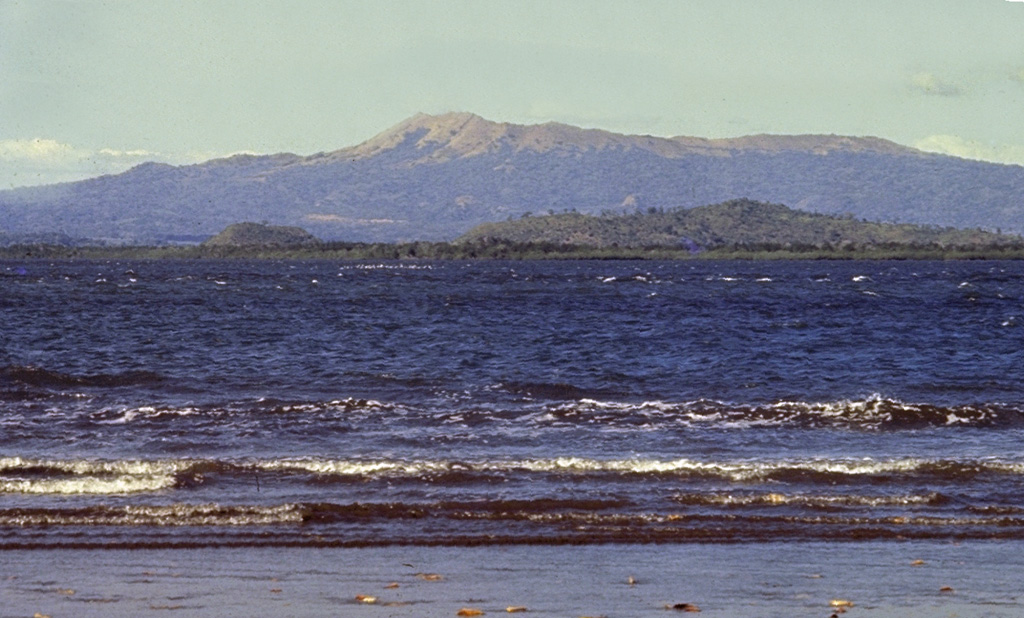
<point x="532" y="408"/>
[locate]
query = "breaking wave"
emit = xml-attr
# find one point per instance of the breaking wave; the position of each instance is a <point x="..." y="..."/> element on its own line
<point x="84" y="477"/>
<point x="873" y="413"/>
<point x="31" y="476"/>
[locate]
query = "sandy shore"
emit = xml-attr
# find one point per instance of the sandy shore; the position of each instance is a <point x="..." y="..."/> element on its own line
<point x="911" y="579"/>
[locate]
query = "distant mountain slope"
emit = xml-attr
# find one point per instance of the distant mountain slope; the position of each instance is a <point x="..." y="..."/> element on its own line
<point x="734" y="223"/>
<point x="435" y="177"/>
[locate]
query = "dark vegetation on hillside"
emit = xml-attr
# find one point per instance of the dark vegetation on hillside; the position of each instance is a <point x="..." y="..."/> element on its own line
<point x="261" y="235"/>
<point x="507" y="250"/>
<point x="740" y="229"/>
<point x="736" y="224"/>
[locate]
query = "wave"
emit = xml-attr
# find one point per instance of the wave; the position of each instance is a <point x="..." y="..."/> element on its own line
<point x="634" y="278"/>
<point x="386" y="266"/>
<point x="264" y="407"/>
<point x="88" y="485"/>
<point x="132" y="467"/>
<point x="27" y="375"/>
<point x="480" y="522"/>
<point x="872" y="413"/>
<point x="31" y="476"/>
<point x="808" y="471"/>
<point x="537" y="404"/>
<point x="184" y="514"/>
<point x="155" y="515"/>
<point x="85" y="477"/>
<point x="812" y="501"/>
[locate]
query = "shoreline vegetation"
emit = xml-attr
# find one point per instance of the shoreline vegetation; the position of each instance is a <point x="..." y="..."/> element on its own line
<point x="736" y="230"/>
<point x="510" y="250"/>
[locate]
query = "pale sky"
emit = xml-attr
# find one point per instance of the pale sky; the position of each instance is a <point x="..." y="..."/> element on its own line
<point x="95" y="86"/>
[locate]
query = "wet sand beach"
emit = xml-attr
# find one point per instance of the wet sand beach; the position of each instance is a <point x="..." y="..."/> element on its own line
<point x="763" y="580"/>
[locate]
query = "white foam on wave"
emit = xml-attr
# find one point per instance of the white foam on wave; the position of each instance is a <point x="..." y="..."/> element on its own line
<point x="877" y="409"/>
<point x="635" y="278"/>
<point x="142" y="413"/>
<point x="800" y="499"/>
<point x="382" y="266"/>
<point x="749" y="470"/>
<point x="29" y="476"/>
<point x="736" y="470"/>
<point x="356" y="467"/>
<point x="870" y="412"/>
<point x="67" y="477"/>
<point x="725" y="278"/>
<point x="149" y="412"/>
<point x="89" y="485"/>
<point x="161" y="515"/>
<point x="94" y="466"/>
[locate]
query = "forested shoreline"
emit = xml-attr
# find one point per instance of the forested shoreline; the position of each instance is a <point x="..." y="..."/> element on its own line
<point x="493" y="249"/>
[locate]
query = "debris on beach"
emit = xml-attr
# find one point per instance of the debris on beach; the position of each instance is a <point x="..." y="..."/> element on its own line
<point x="840" y="603"/>
<point x="365" y="598"/>
<point x="917" y="563"/>
<point x="683" y="607"/>
<point x="430" y="577"/>
<point x="631" y="580"/>
<point x="392" y="585"/>
<point x="65" y="591"/>
<point x="515" y="609"/>
<point x="946" y="589"/>
<point x="469" y="611"/>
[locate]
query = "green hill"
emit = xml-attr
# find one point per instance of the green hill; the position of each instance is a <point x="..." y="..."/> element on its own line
<point x="736" y="223"/>
<point x="259" y="234"/>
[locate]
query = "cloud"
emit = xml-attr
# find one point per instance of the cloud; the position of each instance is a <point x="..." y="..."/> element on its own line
<point x="972" y="149"/>
<point x="110" y="152"/>
<point x="51" y="152"/>
<point x="12" y="150"/>
<point x="929" y="83"/>
<point x="26" y="162"/>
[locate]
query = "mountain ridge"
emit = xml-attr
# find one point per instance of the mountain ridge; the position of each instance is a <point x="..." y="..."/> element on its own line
<point x="466" y="134"/>
<point x="435" y="177"/>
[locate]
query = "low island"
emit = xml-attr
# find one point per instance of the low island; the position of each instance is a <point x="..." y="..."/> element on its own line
<point x="737" y="229"/>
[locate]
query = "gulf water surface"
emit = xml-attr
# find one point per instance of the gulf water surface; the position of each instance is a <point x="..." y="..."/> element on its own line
<point x="339" y="411"/>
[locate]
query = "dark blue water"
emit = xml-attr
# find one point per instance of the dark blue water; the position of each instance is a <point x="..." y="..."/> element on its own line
<point x="208" y="403"/>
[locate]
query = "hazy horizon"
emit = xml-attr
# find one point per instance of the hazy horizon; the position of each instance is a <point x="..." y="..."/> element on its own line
<point x="92" y="88"/>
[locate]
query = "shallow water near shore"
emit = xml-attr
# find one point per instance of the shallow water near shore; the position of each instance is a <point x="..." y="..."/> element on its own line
<point x="791" y="580"/>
